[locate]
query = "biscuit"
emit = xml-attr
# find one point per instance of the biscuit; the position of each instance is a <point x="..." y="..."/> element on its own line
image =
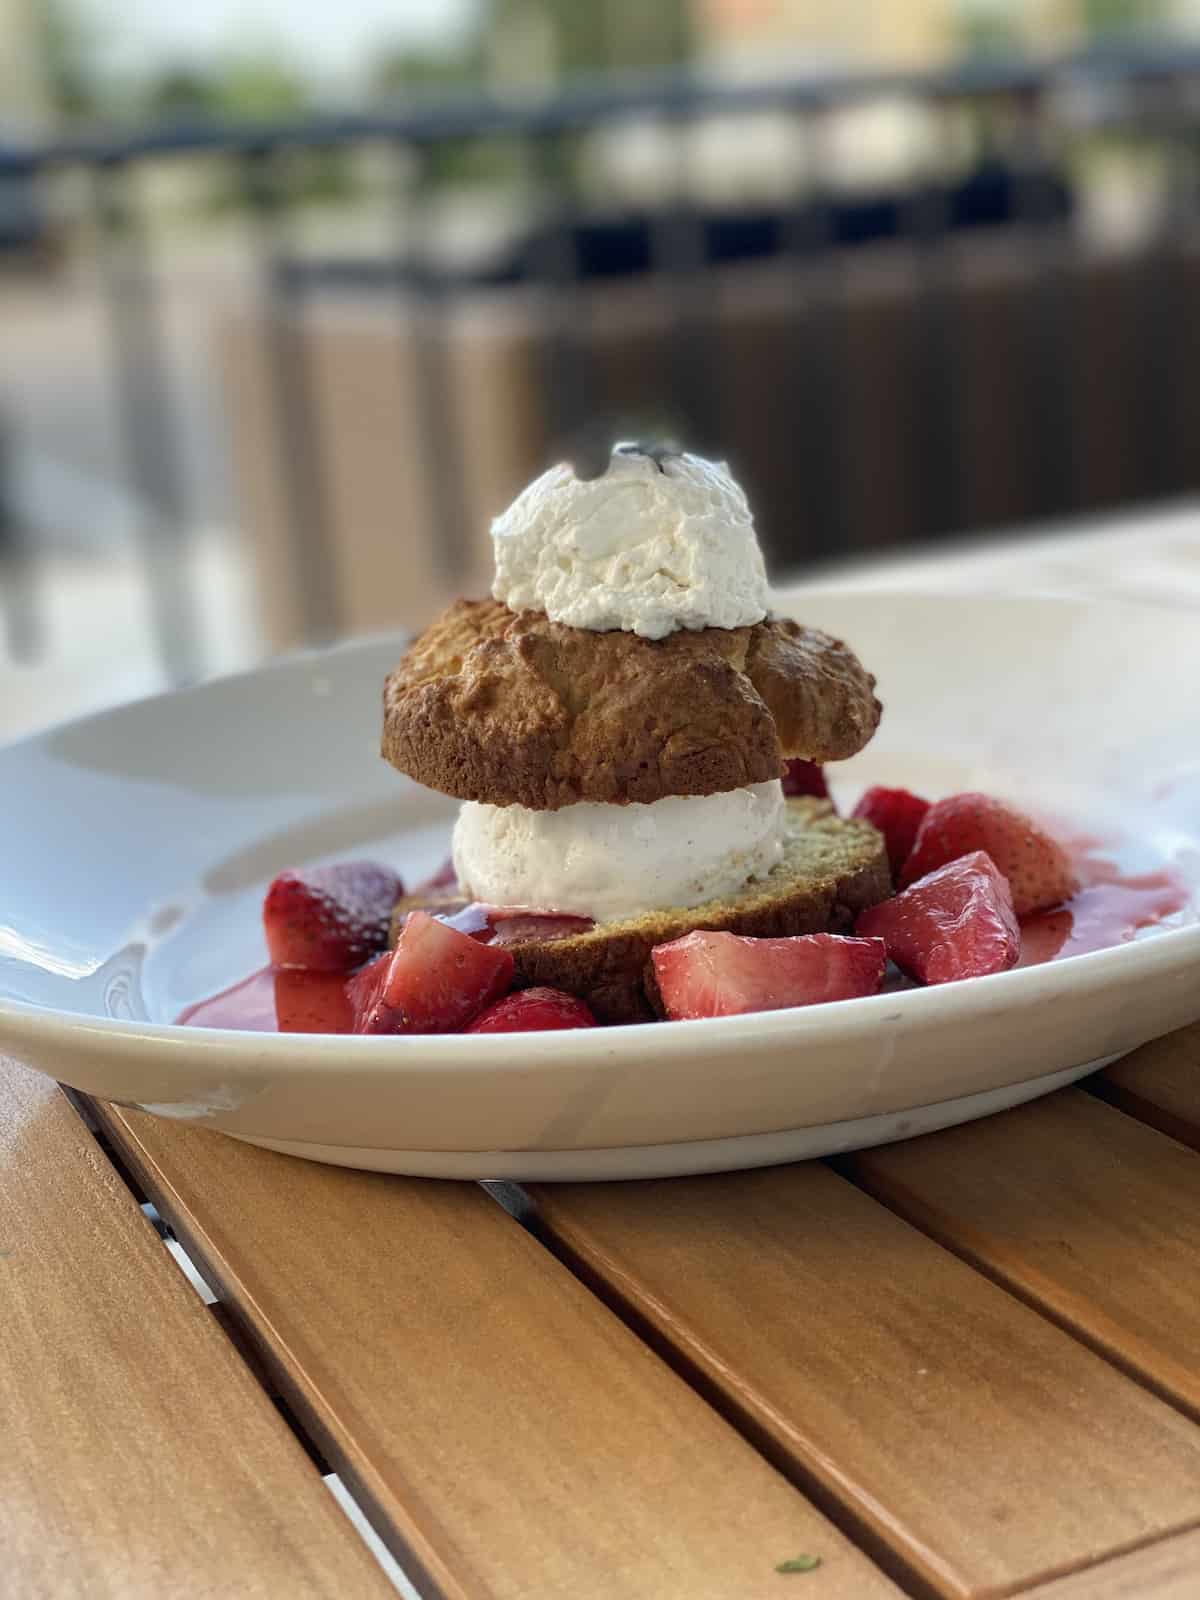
<point x="510" y="708"/>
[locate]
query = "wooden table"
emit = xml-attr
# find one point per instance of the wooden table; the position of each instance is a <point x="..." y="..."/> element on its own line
<point x="968" y="1365"/>
<point x="964" y="1366"/>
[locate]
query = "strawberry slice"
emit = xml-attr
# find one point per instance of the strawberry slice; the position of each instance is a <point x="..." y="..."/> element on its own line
<point x="508" y="924"/>
<point x="897" y="814"/>
<point x="435" y="981"/>
<point x="534" y="1011"/>
<point x="329" y="919"/>
<point x="804" y="777"/>
<point x="958" y="922"/>
<point x="312" y="1002"/>
<point x="513" y="925"/>
<point x="1038" y="869"/>
<point x="723" y="974"/>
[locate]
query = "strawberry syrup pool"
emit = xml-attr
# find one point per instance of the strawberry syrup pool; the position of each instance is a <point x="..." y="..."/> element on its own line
<point x="1113" y="907"/>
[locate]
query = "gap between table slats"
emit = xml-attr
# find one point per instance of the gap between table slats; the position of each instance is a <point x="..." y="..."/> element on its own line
<point x="120" y="1401"/>
<point x="507" y="1435"/>
<point x="1159" y="1085"/>
<point x="984" y="1445"/>
<point x="1079" y="1210"/>
<point x="1169" y="1570"/>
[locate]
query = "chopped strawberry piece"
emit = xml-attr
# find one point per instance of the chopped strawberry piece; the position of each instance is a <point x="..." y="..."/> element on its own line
<point x="514" y="926"/>
<point x="329" y="919"/>
<point x="897" y="814"/>
<point x="312" y="1002"/>
<point x="722" y="974"/>
<point x="958" y="922"/>
<point x="804" y="777"/>
<point x="534" y="1011"/>
<point x="1038" y="869"/>
<point x="435" y="981"/>
<point x="508" y="924"/>
<point x="364" y="994"/>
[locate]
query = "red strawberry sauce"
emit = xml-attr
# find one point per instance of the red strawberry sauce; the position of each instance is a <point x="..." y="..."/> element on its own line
<point x="247" y="1004"/>
<point x="1109" y="909"/>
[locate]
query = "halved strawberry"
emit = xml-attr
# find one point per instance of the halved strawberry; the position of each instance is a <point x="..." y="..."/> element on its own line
<point x="1038" y="869"/>
<point x="312" y="1002"/>
<point x="534" y="1011"/>
<point x="329" y="919"/>
<point x="723" y="974"/>
<point x="956" y="923"/>
<point x="897" y="814"/>
<point x="435" y="981"/>
<point x="804" y="777"/>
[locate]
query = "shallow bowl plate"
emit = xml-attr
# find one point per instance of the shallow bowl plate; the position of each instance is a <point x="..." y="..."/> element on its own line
<point x="138" y="844"/>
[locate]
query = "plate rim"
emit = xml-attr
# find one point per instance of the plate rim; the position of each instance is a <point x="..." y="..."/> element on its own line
<point x="1168" y="949"/>
<point x="953" y="1001"/>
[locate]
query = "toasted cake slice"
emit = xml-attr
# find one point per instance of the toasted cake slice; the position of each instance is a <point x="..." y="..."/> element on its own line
<point x="832" y="869"/>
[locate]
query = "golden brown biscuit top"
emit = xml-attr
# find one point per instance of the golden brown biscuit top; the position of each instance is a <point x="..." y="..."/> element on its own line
<point x="510" y="708"/>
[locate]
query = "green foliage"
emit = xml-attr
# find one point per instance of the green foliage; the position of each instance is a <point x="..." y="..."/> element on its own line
<point x="1103" y="18"/>
<point x="256" y="85"/>
<point x="605" y="35"/>
<point x="399" y="73"/>
<point x="246" y="87"/>
<point x="989" y="31"/>
<point x="67" y="49"/>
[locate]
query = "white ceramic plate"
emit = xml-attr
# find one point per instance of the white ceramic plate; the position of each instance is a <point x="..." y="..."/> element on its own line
<point x="138" y="843"/>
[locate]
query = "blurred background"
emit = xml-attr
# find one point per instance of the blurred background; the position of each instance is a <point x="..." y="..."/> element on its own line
<point x="295" y="296"/>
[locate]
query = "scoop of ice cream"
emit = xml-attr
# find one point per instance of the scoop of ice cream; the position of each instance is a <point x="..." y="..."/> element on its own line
<point x="659" y="541"/>
<point x="609" y="862"/>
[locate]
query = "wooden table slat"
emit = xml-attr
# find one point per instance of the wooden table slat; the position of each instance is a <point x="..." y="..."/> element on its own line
<point x="979" y="1441"/>
<point x="1166" y="1570"/>
<point x="1159" y="1084"/>
<point x="516" y="1438"/>
<point x="1079" y="1209"/>
<point x="140" y="1457"/>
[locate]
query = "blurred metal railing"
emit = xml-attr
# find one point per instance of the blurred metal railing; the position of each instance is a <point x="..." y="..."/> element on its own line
<point x="1020" y="113"/>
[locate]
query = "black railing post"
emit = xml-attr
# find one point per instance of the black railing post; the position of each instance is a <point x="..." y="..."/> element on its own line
<point x="1054" y="461"/>
<point x="298" y="441"/>
<point x="427" y="284"/>
<point x="17" y="598"/>
<point x="1161" y="307"/>
<point x="570" y="399"/>
<point x="821" y="444"/>
<point x="148" y="425"/>
<point x="936" y="413"/>
<point x="679" y="252"/>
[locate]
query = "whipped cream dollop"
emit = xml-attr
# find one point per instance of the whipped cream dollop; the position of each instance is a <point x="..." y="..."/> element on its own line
<point x="661" y="541"/>
<point x="610" y="862"/>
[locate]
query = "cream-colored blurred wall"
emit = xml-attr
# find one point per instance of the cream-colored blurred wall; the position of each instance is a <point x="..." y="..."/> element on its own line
<point x="23" y="100"/>
<point x="899" y="33"/>
<point x="904" y="32"/>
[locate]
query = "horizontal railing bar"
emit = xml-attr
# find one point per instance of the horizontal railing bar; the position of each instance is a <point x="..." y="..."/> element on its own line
<point x="672" y="94"/>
